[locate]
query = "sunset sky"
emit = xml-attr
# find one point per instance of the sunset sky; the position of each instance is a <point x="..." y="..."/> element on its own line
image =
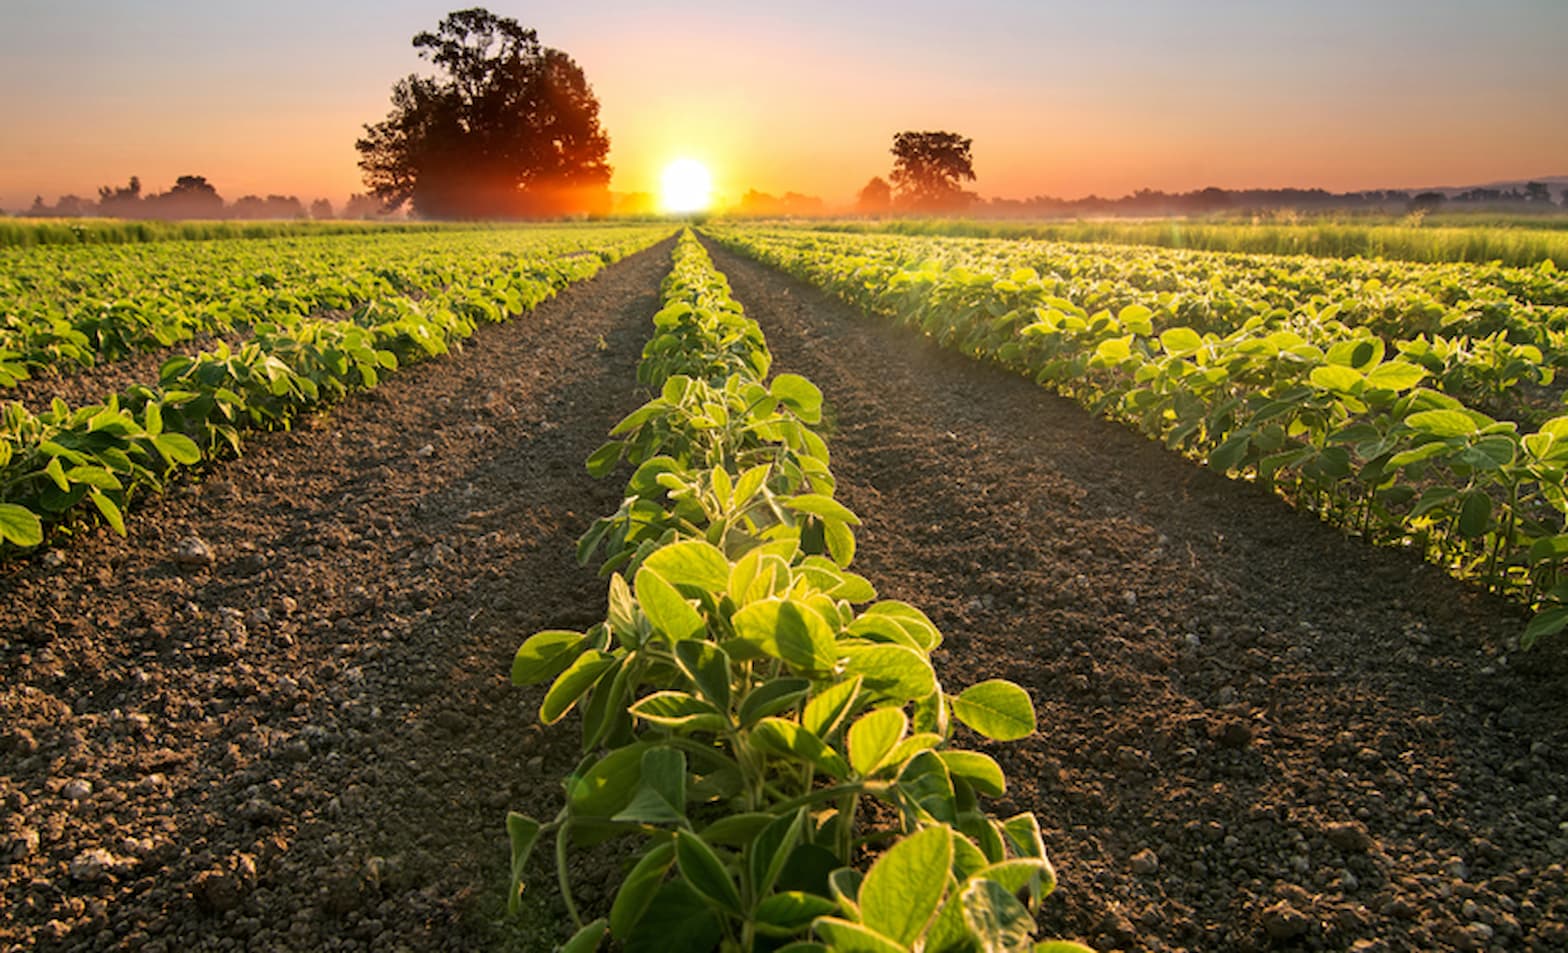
<point x="1060" y="98"/>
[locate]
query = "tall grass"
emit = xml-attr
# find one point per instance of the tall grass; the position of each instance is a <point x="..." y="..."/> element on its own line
<point x="1509" y="244"/>
<point x="100" y="231"/>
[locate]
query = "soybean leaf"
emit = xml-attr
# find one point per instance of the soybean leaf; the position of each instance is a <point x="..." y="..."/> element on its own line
<point x="772" y="697"/>
<point x="607" y="785"/>
<point x="1023" y="834"/>
<point x="736" y="830"/>
<point x="949" y="932"/>
<point x="570" y="685"/>
<point x="1337" y="377"/>
<point x="1444" y="423"/>
<point x="854" y="938"/>
<point x="980" y="770"/>
<point x="604" y="459"/>
<point x="522" y="832"/>
<point x="895" y="671"/>
<point x="693" y="562"/>
<point x="799" y="395"/>
<point x="826" y="710"/>
<point x="661" y="796"/>
<point x="919" y="631"/>
<point x="969" y="858"/>
<point x="873" y="736"/>
<point x="844" y="885"/>
<point x="1230" y="453"/>
<point x="110" y="511"/>
<point x="1180" y="342"/>
<point x="841" y="543"/>
<point x="809" y="867"/>
<point x="607" y="705"/>
<point x="791" y="740"/>
<point x="705" y="872"/>
<point x="587" y="939"/>
<point x="904" y="886"/>
<point x="1475" y="513"/>
<point x="177" y="448"/>
<point x="787" y="630"/>
<point x="996" y="917"/>
<point x="545" y="655"/>
<point x="678" y="710"/>
<point x="997" y="709"/>
<point x="817" y="504"/>
<point x="1396" y="375"/>
<point x="20" y="526"/>
<point x="1017" y="873"/>
<point x="678" y="920"/>
<point x="666" y="609"/>
<point x="637" y="890"/>
<point x="787" y="913"/>
<point x="55" y="472"/>
<point x="767" y="853"/>
<point x="911" y="746"/>
<point x="708" y="668"/>
<point x="925" y="791"/>
<point x="1546" y="622"/>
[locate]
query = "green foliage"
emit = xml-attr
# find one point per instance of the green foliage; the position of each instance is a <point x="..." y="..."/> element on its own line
<point x="109" y="231"/>
<point x="54" y="463"/>
<point x="80" y="306"/>
<point x="1523" y="241"/>
<point x="1310" y="377"/>
<point x="742" y="700"/>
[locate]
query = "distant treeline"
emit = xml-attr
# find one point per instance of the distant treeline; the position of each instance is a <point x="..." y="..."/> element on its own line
<point x="1533" y="197"/>
<point x="193" y="197"/>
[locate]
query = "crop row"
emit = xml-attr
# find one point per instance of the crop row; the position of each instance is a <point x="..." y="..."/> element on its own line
<point x="1520" y="242"/>
<point x="54" y="462"/>
<point x="77" y="306"/>
<point x="1337" y="424"/>
<point x="739" y="712"/>
<point x="1477" y="340"/>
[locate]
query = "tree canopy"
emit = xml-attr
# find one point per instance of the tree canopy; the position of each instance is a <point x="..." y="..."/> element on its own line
<point x="928" y="167"/>
<point x="506" y="128"/>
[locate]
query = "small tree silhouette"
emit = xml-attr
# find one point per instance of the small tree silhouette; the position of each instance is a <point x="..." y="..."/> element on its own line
<point x="928" y="167"/>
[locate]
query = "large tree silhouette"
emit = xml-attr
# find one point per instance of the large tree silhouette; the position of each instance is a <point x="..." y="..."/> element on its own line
<point x="928" y="167"/>
<point x="506" y="128"/>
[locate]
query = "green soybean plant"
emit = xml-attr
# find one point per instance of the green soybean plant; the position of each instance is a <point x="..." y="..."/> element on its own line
<point x="747" y="697"/>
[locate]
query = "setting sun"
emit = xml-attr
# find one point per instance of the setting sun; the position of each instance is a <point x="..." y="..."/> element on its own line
<point x="687" y="186"/>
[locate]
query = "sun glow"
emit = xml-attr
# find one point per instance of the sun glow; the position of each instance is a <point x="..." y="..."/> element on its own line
<point x="686" y="187"/>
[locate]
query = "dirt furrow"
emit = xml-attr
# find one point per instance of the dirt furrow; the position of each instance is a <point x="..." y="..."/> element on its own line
<point x="1254" y="732"/>
<point x="303" y="736"/>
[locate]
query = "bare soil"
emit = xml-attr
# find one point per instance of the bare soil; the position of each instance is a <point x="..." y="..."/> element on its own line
<point x="1255" y="733"/>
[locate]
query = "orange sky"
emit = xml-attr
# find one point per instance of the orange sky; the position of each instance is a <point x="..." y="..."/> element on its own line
<point x="1060" y="98"/>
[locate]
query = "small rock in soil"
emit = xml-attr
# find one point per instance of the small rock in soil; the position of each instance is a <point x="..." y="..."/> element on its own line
<point x="1351" y="838"/>
<point x="22" y="742"/>
<point x="1283" y="922"/>
<point x="217" y="891"/>
<point x="1145" y="863"/>
<point x="94" y="864"/>
<point x="76" y="789"/>
<point x="1236" y="734"/>
<point x="193" y="551"/>
<point x="24" y="843"/>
